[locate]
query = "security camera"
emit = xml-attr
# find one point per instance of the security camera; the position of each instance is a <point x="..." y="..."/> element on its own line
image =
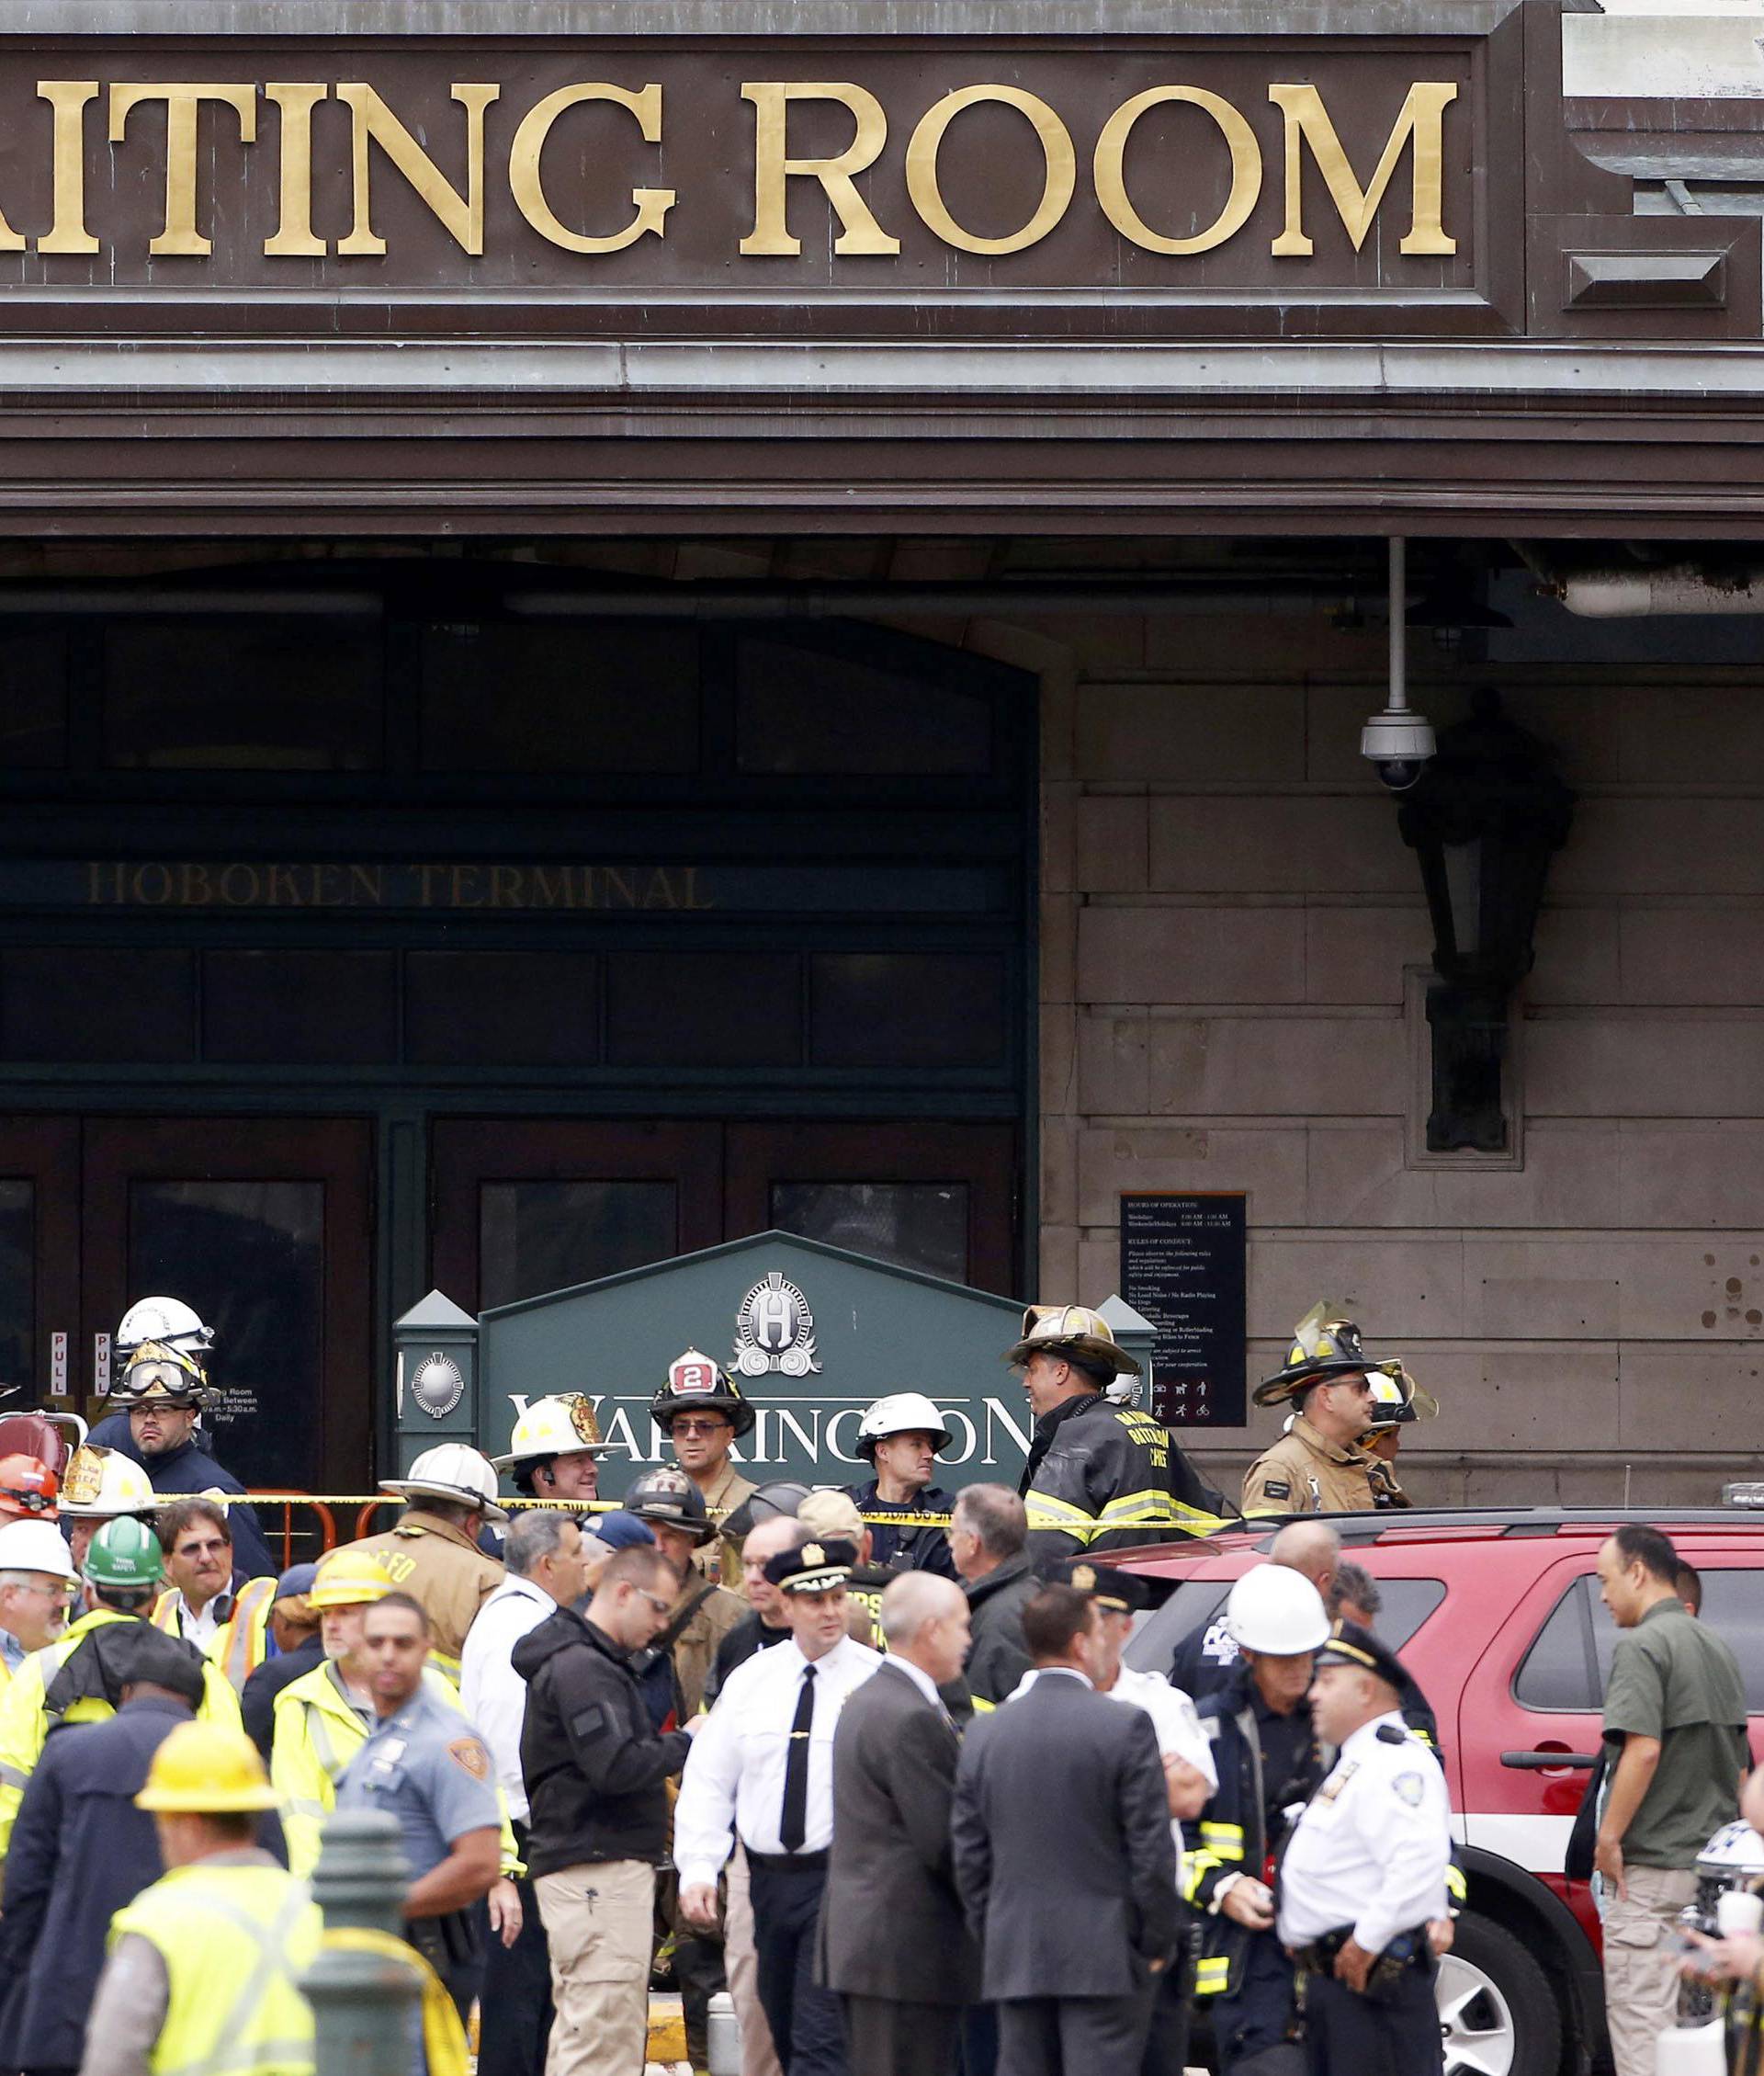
<point x="1397" y="744"/>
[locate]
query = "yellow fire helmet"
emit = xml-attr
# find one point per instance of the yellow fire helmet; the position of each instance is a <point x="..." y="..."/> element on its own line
<point x="102" y="1483"/>
<point x="563" y="1425"/>
<point x="161" y="1375"/>
<point x="1074" y="1332"/>
<point x="206" y="1770"/>
<point x="349" y="1578"/>
<point x="1325" y="1344"/>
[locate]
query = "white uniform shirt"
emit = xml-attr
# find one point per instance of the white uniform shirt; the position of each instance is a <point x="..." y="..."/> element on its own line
<point x="200" y="1628"/>
<point x="1173" y="1719"/>
<point x="733" y="1784"/>
<point x="1373" y="1844"/>
<point x="491" y="1692"/>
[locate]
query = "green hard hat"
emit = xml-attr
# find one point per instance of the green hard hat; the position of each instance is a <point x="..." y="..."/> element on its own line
<point x="124" y="1552"/>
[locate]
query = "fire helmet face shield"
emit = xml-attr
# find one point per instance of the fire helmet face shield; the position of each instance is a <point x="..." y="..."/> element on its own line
<point x="161" y="1375"/>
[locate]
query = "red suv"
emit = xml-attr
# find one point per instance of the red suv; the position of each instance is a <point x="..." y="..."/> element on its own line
<point x="1497" y="1613"/>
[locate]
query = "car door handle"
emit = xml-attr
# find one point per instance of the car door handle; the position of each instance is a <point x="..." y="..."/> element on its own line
<point x="1543" y="1761"/>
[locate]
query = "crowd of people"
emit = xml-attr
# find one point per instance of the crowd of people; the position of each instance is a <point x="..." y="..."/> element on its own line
<point x="869" y="1758"/>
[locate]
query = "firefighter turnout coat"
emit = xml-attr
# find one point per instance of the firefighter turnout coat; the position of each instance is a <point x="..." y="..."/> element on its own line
<point x="1100" y="1476"/>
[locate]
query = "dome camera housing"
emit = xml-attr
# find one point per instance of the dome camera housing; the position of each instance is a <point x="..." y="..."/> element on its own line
<point x="1397" y="744"/>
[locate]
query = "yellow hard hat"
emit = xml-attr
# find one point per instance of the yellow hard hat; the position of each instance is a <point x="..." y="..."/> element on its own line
<point x="349" y="1578"/>
<point x="206" y="1769"/>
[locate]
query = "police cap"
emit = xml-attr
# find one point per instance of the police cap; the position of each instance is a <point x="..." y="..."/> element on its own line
<point x="1349" y="1644"/>
<point x="815" y="1568"/>
<point x="1122" y="1592"/>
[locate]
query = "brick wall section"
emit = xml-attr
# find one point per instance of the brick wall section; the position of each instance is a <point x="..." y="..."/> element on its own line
<point x="1227" y="912"/>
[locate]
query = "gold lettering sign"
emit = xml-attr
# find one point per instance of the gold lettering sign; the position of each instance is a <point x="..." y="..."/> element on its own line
<point x="326" y="159"/>
<point x="197" y="883"/>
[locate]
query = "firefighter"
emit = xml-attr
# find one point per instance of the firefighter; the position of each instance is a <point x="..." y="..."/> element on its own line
<point x="433" y="1552"/>
<point x="1100" y="1473"/>
<point x="205" y="1966"/>
<point x="553" y="1453"/>
<point x="1397" y="1402"/>
<point x="102" y="1485"/>
<point x="165" y="1389"/>
<point x="671" y="1506"/>
<point x="901" y="1436"/>
<point x="70" y="1680"/>
<point x="1266" y="1755"/>
<point x="1316" y="1467"/>
<point x="703" y="1413"/>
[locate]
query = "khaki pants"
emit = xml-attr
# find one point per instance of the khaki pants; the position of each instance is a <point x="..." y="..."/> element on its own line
<point x="742" y="1964"/>
<point x="598" y="1922"/>
<point x="1641" y="1963"/>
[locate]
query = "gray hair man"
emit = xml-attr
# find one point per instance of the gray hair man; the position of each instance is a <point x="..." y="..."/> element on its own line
<point x="987" y="1538"/>
<point x="547" y="1568"/>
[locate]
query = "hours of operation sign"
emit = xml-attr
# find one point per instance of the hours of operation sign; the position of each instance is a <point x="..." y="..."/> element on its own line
<point x="1183" y="1265"/>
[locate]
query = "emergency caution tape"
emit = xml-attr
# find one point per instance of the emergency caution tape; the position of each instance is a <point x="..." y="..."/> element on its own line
<point x="882" y="1519"/>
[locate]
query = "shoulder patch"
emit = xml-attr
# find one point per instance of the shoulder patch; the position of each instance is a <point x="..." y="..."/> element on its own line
<point x="1277" y="1487"/>
<point x="1411" y="1787"/>
<point x="468" y="1753"/>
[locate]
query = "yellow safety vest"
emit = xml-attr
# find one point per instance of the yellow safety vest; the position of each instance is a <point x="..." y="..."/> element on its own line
<point x="24" y="1719"/>
<point x="234" y="1939"/>
<point x="317" y="1734"/>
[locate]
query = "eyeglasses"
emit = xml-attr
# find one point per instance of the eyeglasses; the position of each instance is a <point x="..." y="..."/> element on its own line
<point x="212" y="1548"/>
<point x="56" y="1589"/>
<point x="655" y="1600"/>
<point x="697" y="1427"/>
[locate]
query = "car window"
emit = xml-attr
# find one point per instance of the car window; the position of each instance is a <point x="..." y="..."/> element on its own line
<point x="1406" y="1604"/>
<point x="1561" y="1670"/>
<point x="1569" y="1664"/>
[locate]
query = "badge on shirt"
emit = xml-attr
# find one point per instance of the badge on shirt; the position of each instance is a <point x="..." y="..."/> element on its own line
<point x="1336" y="1781"/>
<point x="467" y="1752"/>
<point x="1276" y="1490"/>
<point x="1410" y="1788"/>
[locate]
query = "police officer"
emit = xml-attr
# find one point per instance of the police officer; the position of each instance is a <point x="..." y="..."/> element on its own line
<point x="901" y="1436"/>
<point x="703" y="1413"/>
<point x="74" y="1680"/>
<point x="205" y="1968"/>
<point x="1316" y="1467"/>
<point x="1362" y="1884"/>
<point x="1266" y="1756"/>
<point x="161" y="1390"/>
<point x="426" y="1766"/>
<point x="555" y="1449"/>
<point x="433" y="1551"/>
<point x="1100" y="1474"/>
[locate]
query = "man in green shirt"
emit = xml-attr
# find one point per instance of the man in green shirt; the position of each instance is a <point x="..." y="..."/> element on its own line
<point x="1676" y="1705"/>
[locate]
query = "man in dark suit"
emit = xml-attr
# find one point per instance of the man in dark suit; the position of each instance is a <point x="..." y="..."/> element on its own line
<point x="1063" y="1858"/>
<point x="892" y="1939"/>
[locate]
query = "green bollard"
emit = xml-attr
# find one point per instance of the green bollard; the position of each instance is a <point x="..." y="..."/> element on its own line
<point x="363" y="2005"/>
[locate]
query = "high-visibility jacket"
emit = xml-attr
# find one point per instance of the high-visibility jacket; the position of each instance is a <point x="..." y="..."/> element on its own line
<point x="234" y="1940"/>
<point x="242" y="1642"/>
<point x="25" y="1720"/>
<point x="318" y="1731"/>
<point x="1101" y="1475"/>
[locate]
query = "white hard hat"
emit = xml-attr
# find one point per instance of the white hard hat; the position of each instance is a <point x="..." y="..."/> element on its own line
<point x="451" y="1471"/>
<point x="1278" y="1610"/>
<point x="36" y="1545"/>
<point x="901" y="1413"/>
<point x="565" y="1425"/>
<point x="101" y="1484"/>
<point x="167" y="1320"/>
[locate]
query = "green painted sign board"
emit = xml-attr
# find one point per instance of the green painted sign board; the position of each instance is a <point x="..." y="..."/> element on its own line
<point x="823" y="1333"/>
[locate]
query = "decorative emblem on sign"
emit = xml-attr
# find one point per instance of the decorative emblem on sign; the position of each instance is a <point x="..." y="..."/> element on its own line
<point x="774" y="1330"/>
<point x="438" y="1385"/>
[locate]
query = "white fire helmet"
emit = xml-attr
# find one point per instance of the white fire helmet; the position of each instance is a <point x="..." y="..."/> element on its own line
<point x="901" y="1413"/>
<point x="451" y="1471"/>
<point x="168" y="1321"/>
<point x="100" y="1484"/>
<point x="1276" y="1610"/>
<point x="564" y="1425"/>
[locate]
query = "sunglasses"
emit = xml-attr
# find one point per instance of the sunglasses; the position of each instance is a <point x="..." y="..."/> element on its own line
<point x="697" y="1427"/>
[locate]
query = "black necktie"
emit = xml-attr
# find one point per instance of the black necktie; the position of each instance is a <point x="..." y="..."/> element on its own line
<point x="795" y="1823"/>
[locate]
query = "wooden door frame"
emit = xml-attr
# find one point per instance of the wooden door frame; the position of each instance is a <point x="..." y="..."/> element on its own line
<point x="45" y="1152"/>
<point x="336" y="1151"/>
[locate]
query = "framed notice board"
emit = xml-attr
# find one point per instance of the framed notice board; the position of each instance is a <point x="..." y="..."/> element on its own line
<point x="1184" y="1265"/>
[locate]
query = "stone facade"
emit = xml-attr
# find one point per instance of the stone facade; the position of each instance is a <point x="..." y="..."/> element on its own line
<point x="1228" y="916"/>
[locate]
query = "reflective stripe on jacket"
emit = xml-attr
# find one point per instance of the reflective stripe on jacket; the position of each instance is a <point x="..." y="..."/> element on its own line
<point x="24" y="1722"/>
<point x="241" y="1643"/>
<point x="1108" y="1476"/>
<point x="234" y="1940"/>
